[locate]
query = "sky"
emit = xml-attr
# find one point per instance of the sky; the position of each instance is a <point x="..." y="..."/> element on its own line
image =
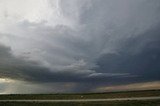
<point x="65" y="46"/>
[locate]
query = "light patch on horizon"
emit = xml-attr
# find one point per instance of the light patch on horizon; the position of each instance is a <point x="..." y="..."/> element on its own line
<point x="130" y="87"/>
<point x="4" y="80"/>
<point x="8" y="86"/>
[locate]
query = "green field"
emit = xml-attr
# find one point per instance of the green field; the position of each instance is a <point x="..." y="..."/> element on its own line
<point x="83" y="96"/>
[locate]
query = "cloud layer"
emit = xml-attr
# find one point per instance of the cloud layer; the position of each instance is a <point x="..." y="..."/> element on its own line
<point x="90" y="43"/>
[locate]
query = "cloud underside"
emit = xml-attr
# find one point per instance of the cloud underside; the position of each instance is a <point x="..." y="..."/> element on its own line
<point x="78" y="44"/>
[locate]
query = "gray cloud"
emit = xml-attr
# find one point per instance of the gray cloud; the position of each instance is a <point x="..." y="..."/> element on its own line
<point x="27" y="70"/>
<point x="138" y="56"/>
<point x="106" y="42"/>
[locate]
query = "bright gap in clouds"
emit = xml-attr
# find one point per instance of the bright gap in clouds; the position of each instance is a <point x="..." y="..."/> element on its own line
<point x="33" y="11"/>
<point x="80" y="45"/>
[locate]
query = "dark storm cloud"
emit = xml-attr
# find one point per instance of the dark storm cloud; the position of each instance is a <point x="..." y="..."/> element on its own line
<point x="18" y="68"/>
<point x="139" y="56"/>
<point x="96" y="43"/>
<point x="27" y="70"/>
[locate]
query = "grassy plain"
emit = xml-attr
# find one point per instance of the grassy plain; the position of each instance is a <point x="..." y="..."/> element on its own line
<point x="83" y="96"/>
<point x="145" y="93"/>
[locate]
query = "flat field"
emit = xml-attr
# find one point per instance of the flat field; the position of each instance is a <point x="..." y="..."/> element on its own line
<point x="115" y="103"/>
<point x="81" y="96"/>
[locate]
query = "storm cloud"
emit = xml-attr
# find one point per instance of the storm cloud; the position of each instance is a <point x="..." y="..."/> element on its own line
<point x="88" y="43"/>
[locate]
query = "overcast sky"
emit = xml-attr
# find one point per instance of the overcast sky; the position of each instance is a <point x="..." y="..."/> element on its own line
<point x="50" y="46"/>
